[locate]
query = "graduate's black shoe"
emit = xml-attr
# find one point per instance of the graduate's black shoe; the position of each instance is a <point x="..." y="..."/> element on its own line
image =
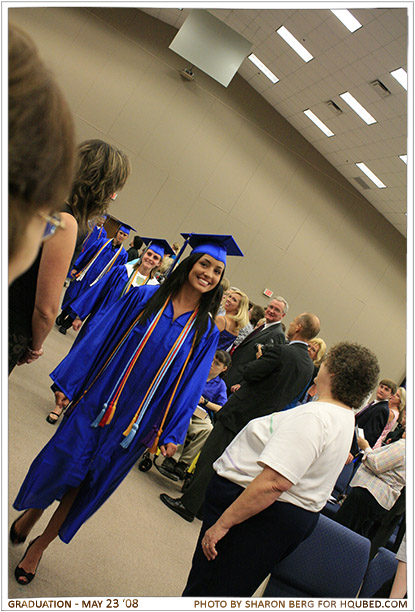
<point x="167" y="473"/>
<point x="59" y="320"/>
<point x="20" y="574"/>
<point x="53" y="417"/>
<point x="177" y="507"/>
<point x="62" y="330"/>
<point x="16" y="538"/>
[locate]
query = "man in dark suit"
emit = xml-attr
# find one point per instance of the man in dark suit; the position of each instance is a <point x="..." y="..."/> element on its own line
<point x="373" y="417"/>
<point x="268" y="334"/>
<point x="270" y="382"/>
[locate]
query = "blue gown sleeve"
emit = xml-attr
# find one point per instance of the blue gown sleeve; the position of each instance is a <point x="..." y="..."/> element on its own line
<point x="92" y="297"/>
<point x="88" y="254"/>
<point x="75" y="371"/>
<point x="190" y="390"/>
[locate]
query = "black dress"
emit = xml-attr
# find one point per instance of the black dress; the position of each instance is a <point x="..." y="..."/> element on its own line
<point x="22" y="294"/>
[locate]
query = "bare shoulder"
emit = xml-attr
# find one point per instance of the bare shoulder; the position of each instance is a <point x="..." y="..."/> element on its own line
<point x="220" y="322"/>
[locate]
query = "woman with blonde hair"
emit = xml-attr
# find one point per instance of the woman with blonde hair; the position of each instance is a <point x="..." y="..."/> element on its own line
<point x="317" y="350"/>
<point x="396" y="404"/>
<point x="235" y="318"/>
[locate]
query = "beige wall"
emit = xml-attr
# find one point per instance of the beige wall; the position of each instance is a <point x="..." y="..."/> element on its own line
<point x="210" y="159"/>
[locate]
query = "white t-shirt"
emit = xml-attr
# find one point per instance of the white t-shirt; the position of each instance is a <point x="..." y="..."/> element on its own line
<point x="308" y="445"/>
<point x="139" y="278"/>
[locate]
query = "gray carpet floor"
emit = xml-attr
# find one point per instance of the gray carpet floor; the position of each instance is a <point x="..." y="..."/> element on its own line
<point x="133" y="546"/>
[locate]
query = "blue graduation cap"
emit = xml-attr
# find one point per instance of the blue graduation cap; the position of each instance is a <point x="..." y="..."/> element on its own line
<point x="158" y="245"/>
<point x="124" y="227"/>
<point x="216" y="245"/>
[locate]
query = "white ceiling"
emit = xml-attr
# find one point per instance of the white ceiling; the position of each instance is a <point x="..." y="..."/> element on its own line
<point x="342" y="62"/>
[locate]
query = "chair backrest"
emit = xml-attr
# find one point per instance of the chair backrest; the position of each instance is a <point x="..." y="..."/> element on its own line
<point x="343" y="480"/>
<point x="381" y="568"/>
<point x="331" y="562"/>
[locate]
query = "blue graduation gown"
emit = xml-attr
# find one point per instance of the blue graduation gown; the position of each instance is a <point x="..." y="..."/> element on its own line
<point x="97" y="298"/>
<point x="92" y="458"/>
<point x="107" y="253"/>
<point x="96" y="234"/>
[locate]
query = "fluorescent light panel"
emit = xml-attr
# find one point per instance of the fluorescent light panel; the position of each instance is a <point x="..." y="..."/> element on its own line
<point x="294" y="44"/>
<point x="370" y="175"/>
<point x="347" y="19"/>
<point x="270" y="75"/>
<point x="358" y="108"/>
<point x="323" y="127"/>
<point x="404" y="158"/>
<point x="401" y="76"/>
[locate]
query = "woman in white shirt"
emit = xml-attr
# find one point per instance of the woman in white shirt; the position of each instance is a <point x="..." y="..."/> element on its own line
<point x="274" y="478"/>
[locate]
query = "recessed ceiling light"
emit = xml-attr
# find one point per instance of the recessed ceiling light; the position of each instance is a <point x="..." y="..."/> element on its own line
<point x="358" y="108"/>
<point x="404" y="158"/>
<point x="401" y="76"/>
<point x="294" y="44"/>
<point x="370" y="175"/>
<point x="270" y="75"/>
<point x="347" y="19"/>
<point x="318" y="122"/>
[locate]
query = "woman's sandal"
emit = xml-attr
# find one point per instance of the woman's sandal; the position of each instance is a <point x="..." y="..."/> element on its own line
<point x="15" y="538"/>
<point x="50" y="419"/>
<point x="20" y="573"/>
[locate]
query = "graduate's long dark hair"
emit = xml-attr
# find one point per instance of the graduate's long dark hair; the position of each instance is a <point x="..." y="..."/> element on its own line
<point x="208" y="305"/>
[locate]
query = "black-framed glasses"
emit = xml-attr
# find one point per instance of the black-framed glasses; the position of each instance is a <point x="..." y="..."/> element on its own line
<point x="53" y="223"/>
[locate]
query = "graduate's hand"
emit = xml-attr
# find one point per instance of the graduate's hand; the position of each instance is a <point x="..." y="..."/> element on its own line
<point x="76" y="324"/>
<point x="211" y="538"/>
<point x="168" y="450"/>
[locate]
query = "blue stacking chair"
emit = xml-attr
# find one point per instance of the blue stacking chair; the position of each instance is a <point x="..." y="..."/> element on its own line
<point x="381" y="568"/>
<point x="331" y="562"/>
<point x="341" y="486"/>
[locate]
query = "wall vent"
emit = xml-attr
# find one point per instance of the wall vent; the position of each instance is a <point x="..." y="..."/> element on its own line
<point x="380" y="88"/>
<point x="334" y="108"/>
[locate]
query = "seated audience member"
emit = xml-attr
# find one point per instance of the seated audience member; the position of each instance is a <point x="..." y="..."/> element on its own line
<point x="317" y="350"/>
<point x="265" y="497"/>
<point x="41" y="152"/>
<point x="270" y="382"/>
<point x="212" y="400"/>
<point x="396" y="587"/>
<point x="375" y="487"/>
<point x="399" y="586"/>
<point x="255" y="314"/>
<point x="396" y="407"/>
<point x="234" y="319"/>
<point x="135" y="246"/>
<point x="373" y="417"/>
<point x="397" y="433"/>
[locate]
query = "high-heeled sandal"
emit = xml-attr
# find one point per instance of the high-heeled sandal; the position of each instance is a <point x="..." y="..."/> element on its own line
<point x="20" y="573"/>
<point x="50" y="419"/>
<point x="15" y="538"/>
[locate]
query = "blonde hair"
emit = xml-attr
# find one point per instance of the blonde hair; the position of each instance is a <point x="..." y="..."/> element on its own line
<point x="241" y="318"/>
<point x="321" y="351"/>
<point x="402" y="403"/>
